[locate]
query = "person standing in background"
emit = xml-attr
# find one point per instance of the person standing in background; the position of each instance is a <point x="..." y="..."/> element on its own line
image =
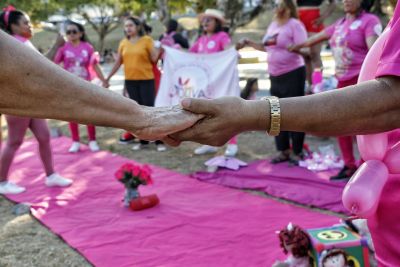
<point x="350" y="38"/>
<point x="172" y="38"/>
<point x="17" y="24"/>
<point x="213" y="39"/>
<point x="286" y="69"/>
<point x="79" y="58"/>
<point x="138" y="53"/>
<point x="313" y="20"/>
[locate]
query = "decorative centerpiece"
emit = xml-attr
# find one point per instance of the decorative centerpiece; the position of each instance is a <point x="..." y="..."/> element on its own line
<point x="132" y="176"/>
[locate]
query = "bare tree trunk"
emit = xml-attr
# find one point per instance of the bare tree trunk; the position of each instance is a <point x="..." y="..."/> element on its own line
<point x="377" y="8"/>
<point x="233" y="11"/>
<point x="106" y="26"/>
<point x="163" y="8"/>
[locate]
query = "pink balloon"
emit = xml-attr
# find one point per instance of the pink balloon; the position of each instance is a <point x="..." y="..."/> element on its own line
<point x="392" y="159"/>
<point x="362" y="193"/>
<point x="372" y="146"/>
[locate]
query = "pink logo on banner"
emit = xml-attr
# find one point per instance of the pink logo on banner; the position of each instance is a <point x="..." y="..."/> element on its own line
<point x="190" y="81"/>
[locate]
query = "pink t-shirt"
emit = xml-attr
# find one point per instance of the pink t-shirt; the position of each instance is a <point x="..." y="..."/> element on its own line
<point x="208" y="45"/>
<point x="385" y="225"/>
<point x="25" y="41"/>
<point x="77" y="59"/>
<point x="348" y="43"/>
<point x="280" y="60"/>
<point x="389" y="64"/>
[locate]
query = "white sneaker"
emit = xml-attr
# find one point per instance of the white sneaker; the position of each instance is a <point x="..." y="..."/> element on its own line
<point x="231" y="150"/>
<point x="136" y="147"/>
<point x="94" y="147"/>
<point x="57" y="180"/>
<point x="10" y="188"/>
<point x="161" y="148"/>
<point x="74" y="147"/>
<point x="205" y="150"/>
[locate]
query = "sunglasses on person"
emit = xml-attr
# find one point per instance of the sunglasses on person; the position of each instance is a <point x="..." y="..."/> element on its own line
<point x="207" y="19"/>
<point x="69" y="32"/>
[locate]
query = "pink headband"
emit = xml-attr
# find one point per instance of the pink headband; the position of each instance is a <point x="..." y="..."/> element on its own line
<point x="7" y="10"/>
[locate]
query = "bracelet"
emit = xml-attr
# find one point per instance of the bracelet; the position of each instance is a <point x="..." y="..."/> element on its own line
<point x="275" y="113"/>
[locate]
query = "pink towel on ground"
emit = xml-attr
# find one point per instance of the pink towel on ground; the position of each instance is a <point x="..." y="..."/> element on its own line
<point x="196" y="224"/>
<point x="283" y="181"/>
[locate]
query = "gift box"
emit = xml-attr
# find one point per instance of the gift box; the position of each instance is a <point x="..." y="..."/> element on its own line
<point x="339" y="237"/>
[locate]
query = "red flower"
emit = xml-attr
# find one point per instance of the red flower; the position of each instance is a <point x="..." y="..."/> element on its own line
<point x="146" y="176"/>
<point x="138" y="174"/>
<point x="147" y="168"/>
<point x="119" y="174"/>
<point x="127" y="167"/>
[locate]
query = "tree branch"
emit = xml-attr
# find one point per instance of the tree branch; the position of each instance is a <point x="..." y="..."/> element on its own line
<point x="95" y="27"/>
<point x="113" y="27"/>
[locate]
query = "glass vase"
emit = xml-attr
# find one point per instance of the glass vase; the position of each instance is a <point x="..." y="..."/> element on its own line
<point x="130" y="193"/>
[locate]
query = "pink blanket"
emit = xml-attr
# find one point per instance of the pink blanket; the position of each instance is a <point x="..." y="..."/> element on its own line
<point x="283" y="181"/>
<point x="196" y="224"/>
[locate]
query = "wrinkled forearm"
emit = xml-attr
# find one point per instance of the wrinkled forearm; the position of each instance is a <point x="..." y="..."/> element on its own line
<point x="369" y="107"/>
<point x="32" y="86"/>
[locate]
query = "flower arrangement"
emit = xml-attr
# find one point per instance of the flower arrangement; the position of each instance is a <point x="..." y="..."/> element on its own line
<point x="132" y="176"/>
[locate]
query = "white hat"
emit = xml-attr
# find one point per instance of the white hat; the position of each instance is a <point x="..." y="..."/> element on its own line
<point x="213" y="13"/>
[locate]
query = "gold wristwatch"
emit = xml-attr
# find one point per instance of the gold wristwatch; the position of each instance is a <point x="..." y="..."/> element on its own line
<point x="275" y="115"/>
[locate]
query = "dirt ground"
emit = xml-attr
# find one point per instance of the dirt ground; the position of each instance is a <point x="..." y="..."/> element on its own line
<point x="26" y="242"/>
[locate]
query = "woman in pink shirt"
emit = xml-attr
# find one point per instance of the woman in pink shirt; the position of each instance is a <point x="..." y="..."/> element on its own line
<point x="213" y="40"/>
<point x="78" y="57"/>
<point x="17" y="24"/>
<point x="350" y="38"/>
<point x="286" y="69"/>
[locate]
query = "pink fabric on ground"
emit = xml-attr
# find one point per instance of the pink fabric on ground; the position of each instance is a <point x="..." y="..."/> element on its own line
<point x="283" y="181"/>
<point x="196" y="224"/>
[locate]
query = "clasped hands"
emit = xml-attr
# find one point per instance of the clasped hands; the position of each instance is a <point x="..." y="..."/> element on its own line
<point x="211" y="122"/>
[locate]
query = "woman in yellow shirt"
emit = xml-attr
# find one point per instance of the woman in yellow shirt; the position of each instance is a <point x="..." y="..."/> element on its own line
<point x="137" y="53"/>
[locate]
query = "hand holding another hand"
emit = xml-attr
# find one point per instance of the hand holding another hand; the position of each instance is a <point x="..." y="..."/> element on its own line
<point x="242" y="43"/>
<point x="160" y="122"/>
<point x="222" y="119"/>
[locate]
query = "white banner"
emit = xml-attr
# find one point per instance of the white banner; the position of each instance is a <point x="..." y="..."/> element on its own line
<point x="197" y="75"/>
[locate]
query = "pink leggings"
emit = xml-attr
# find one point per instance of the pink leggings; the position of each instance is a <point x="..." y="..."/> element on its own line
<point x="74" y="127"/>
<point x="346" y="148"/>
<point x="346" y="142"/>
<point x="17" y="127"/>
<point x="233" y="140"/>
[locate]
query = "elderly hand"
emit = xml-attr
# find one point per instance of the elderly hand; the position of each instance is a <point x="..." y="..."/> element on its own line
<point x="160" y="122"/>
<point x="223" y="118"/>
